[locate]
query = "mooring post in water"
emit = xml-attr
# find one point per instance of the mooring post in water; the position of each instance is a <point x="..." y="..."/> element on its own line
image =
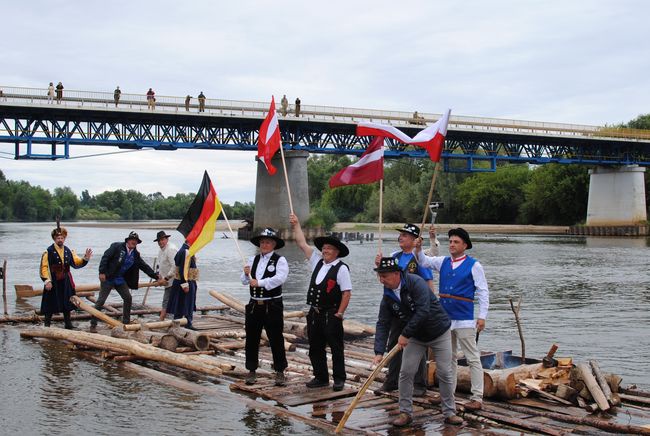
<point x="521" y="334"/>
<point x="3" y="273"/>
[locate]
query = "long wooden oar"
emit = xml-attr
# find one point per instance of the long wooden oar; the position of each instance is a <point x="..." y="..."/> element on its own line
<point x="387" y="358"/>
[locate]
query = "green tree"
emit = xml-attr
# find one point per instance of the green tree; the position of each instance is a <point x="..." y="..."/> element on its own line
<point x="640" y="122"/>
<point x="556" y="195"/>
<point x="67" y="203"/>
<point x="493" y="197"/>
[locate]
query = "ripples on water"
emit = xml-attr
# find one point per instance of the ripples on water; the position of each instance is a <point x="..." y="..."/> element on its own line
<point x="591" y="296"/>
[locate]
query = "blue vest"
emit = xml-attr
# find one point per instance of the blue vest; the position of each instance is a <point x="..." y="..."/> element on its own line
<point x="457" y="289"/>
<point x="408" y="263"/>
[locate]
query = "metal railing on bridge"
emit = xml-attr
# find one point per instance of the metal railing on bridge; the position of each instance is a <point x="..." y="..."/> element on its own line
<point x="78" y="99"/>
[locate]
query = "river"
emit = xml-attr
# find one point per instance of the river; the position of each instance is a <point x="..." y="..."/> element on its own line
<point x="591" y="296"/>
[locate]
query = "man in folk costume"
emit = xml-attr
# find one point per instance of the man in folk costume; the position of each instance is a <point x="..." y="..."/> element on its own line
<point x="408" y="299"/>
<point x="329" y="294"/>
<point x="462" y="281"/>
<point x="182" y="301"/>
<point x="166" y="267"/>
<point x="265" y="274"/>
<point x="408" y="263"/>
<point x="119" y="270"/>
<point x="55" y="273"/>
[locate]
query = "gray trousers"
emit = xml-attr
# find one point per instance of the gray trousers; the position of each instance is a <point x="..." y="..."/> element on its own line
<point x="467" y="340"/>
<point x="104" y="291"/>
<point x="166" y="294"/>
<point x="411" y="357"/>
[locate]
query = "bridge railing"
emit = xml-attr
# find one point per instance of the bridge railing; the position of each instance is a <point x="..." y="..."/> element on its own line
<point x="248" y="109"/>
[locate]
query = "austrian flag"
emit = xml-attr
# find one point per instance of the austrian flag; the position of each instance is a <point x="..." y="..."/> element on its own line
<point x="269" y="141"/>
<point x="369" y="168"/>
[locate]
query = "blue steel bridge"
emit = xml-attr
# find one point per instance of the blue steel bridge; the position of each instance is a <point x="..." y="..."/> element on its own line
<point x="40" y="129"/>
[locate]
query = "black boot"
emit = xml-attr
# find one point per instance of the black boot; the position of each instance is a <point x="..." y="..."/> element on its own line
<point x="67" y="321"/>
<point x="48" y="319"/>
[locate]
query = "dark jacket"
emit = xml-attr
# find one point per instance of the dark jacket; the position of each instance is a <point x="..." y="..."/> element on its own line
<point x="418" y="311"/>
<point x="112" y="262"/>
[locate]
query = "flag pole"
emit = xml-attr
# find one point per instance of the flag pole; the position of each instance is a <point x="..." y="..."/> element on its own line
<point x="381" y="212"/>
<point x="286" y="177"/>
<point x="234" y="237"/>
<point x="436" y="170"/>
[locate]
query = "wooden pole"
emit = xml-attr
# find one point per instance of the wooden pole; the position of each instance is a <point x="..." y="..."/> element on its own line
<point x="232" y="234"/>
<point x="387" y="358"/>
<point x="602" y="382"/>
<point x="592" y="386"/>
<point x="4" y="285"/>
<point x="426" y="205"/>
<point x="94" y="312"/>
<point x="286" y="177"/>
<point x="146" y="293"/>
<point x="381" y="213"/>
<point x="154" y="325"/>
<point x="521" y="334"/>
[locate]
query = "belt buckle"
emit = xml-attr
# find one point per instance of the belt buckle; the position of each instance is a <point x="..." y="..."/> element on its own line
<point x="259" y="302"/>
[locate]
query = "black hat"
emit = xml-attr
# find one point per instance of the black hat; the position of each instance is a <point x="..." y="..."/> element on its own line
<point x="268" y="233"/>
<point x="322" y="240"/>
<point x="133" y="235"/>
<point x="462" y="234"/>
<point x="161" y="234"/>
<point x="411" y="229"/>
<point x="388" y="264"/>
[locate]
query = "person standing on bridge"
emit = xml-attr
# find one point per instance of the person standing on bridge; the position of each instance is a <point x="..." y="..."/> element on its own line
<point x="151" y="99"/>
<point x="50" y="93"/>
<point x="119" y="270"/>
<point x="462" y="280"/>
<point x="284" y="105"/>
<point x="59" y="93"/>
<point x="55" y="273"/>
<point x="297" y="107"/>
<point x="187" y="102"/>
<point x="329" y="294"/>
<point x="116" y="95"/>
<point x="265" y="274"/>
<point x="201" y="102"/>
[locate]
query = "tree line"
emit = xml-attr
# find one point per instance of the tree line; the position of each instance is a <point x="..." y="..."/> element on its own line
<point x="20" y="201"/>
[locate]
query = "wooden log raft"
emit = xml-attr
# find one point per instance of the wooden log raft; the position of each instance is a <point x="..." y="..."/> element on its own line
<point x="198" y="340"/>
<point x="202" y="364"/>
<point x="165" y="341"/>
<point x="25" y="291"/>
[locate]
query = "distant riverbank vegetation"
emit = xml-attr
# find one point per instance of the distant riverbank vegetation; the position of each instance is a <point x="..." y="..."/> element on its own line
<point x="550" y="194"/>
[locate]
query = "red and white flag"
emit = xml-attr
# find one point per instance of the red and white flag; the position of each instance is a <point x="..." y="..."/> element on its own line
<point x="432" y="138"/>
<point x="369" y="168"/>
<point x="269" y="141"/>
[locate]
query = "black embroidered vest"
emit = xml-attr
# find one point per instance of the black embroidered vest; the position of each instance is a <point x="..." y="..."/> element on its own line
<point x="327" y="294"/>
<point x="271" y="268"/>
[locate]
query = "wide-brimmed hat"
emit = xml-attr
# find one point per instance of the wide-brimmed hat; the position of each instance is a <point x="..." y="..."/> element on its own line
<point x="268" y="233"/>
<point x="133" y="235"/>
<point x="411" y="229"/>
<point x="161" y="234"/>
<point x="462" y="234"/>
<point x="322" y="240"/>
<point x="388" y="264"/>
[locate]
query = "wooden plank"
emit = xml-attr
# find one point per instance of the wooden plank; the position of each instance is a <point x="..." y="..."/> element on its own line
<point x="531" y="402"/>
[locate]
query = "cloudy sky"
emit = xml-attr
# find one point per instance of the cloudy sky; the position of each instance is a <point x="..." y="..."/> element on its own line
<point x="585" y="62"/>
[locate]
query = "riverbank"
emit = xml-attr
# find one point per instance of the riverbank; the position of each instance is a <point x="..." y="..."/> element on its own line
<point x="509" y="229"/>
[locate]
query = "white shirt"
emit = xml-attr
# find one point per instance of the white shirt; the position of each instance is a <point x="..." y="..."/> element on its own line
<point x="482" y="292"/>
<point x="165" y="261"/>
<point x="398" y="291"/>
<point x="281" y="272"/>
<point x="342" y="278"/>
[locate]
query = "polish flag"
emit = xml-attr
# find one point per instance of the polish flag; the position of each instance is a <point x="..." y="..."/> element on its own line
<point x="269" y="142"/>
<point x="432" y="138"/>
<point x="369" y="168"/>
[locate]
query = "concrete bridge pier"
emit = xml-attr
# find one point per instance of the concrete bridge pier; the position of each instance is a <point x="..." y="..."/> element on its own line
<point x="271" y="197"/>
<point x="616" y="196"/>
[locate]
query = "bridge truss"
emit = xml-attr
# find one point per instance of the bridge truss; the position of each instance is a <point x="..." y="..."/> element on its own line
<point x="50" y="132"/>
